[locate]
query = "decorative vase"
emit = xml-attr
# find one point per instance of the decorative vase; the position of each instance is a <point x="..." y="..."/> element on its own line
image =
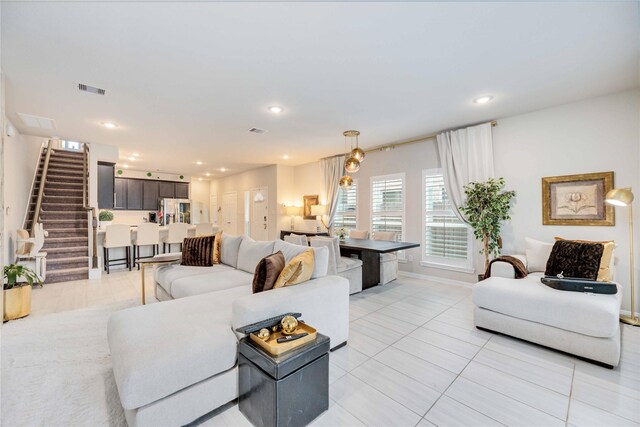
<point x="17" y="302"/>
<point x="104" y="224"/>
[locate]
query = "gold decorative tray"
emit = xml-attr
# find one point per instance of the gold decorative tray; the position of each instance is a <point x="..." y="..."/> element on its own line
<point x="271" y="345"/>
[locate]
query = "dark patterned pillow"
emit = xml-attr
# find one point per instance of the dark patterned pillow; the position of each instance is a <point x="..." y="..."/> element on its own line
<point x="575" y="259"/>
<point x="198" y="251"/>
<point x="267" y="272"/>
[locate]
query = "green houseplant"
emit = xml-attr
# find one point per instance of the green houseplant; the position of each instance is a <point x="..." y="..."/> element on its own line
<point x="17" y="293"/>
<point x="105" y="217"/>
<point x="486" y="207"/>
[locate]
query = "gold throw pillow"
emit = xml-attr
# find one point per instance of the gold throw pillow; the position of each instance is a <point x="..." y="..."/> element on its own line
<point x="604" y="272"/>
<point x="217" y="244"/>
<point x="298" y="270"/>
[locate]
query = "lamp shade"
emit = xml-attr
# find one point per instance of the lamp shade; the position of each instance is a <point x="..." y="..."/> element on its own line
<point x="318" y="210"/>
<point x="619" y="197"/>
<point x="294" y="211"/>
<point x="352" y="165"/>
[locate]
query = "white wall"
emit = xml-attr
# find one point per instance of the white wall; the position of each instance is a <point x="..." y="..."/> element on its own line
<point x="256" y="178"/>
<point x="594" y="135"/>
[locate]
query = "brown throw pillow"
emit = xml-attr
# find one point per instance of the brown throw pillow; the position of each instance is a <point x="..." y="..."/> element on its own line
<point x="217" y="245"/>
<point x="267" y="272"/>
<point x="198" y="251"/>
<point x="604" y="272"/>
<point x="575" y="259"/>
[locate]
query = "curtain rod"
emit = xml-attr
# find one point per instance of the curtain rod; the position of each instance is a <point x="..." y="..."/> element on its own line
<point x="388" y="147"/>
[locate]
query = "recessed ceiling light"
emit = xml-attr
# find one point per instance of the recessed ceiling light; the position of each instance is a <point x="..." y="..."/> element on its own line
<point x="286" y="157"/>
<point x="275" y="109"/>
<point x="136" y="154"/>
<point x="198" y="162"/>
<point x="207" y="174"/>
<point x="133" y="159"/>
<point x="483" y="99"/>
<point x="109" y="125"/>
<point x="223" y="170"/>
<point x="199" y="179"/>
<point x="125" y="166"/>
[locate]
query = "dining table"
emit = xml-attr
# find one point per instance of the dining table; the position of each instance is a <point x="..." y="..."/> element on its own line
<point x="368" y="251"/>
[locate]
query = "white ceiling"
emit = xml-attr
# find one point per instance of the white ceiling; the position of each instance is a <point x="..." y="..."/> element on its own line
<point x="185" y="81"/>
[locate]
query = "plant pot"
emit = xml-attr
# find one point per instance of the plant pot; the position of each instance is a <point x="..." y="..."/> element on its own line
<point x="104" y="224"/>
<point x="17" y="302"/>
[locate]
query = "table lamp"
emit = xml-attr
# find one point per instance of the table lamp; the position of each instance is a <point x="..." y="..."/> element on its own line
<point x="624" y="197"/>
<point x="293" y="212"/>
<point x="319" y="211"/>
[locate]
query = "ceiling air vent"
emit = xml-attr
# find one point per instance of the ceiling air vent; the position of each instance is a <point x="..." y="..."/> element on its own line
<point x="37" y="121"/>
<point x="258" y="131"/>
<point x="91" y="89"/>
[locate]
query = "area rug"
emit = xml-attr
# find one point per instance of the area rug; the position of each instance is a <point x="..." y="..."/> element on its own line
<point x="56" y="370"/>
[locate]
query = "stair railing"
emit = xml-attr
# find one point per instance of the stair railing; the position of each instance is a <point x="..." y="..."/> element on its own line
<point x="85" y="205"/>
<point x="43" y="178"/>
<point x="25" y="222"/>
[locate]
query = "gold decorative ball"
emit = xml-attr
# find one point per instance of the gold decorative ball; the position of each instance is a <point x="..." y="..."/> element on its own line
<point x="289" y="325"/>
<point x="264" y="334"/>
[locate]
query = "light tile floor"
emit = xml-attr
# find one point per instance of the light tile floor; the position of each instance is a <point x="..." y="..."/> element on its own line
<point x="415" y="358"/>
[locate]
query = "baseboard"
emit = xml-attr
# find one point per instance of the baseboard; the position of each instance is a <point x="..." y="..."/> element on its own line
<point x="95" y="273"/>
<point x="434" y="278"/>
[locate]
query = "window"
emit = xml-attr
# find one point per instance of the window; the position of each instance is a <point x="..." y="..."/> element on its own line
<point x="71" y="145"/>
<point x="347" y="210"/>
<point x="446" y="240"/>
<point x="387" y="204"/>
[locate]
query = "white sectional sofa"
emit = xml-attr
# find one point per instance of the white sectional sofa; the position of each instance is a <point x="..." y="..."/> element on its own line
<point x="582" y="324"/>
<point x="175" y="361"/>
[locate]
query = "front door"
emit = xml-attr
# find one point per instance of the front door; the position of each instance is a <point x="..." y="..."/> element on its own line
<point x="259" y="228"/>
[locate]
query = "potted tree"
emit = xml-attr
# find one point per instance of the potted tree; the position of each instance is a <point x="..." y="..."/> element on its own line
<point x="485" y="208"/>
<point x="105" y="217"/>
<point x="17" y="293"/>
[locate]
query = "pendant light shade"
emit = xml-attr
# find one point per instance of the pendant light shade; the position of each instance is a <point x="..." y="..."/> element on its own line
<point x="346" y="181"/>
<point x="352" y="165"/>
<point x="358" y="153"/>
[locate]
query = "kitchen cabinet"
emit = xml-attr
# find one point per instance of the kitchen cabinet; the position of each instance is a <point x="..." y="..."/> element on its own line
<point x="105" y="185"/>
<point x="150" y="195"/>
<point x="166" y="190"/>
<point x="134" y="194"/>
<point x="120" y="188"/>
<point x="182" y="190"/>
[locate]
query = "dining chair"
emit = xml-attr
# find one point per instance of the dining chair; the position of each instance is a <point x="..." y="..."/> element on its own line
<point x="388" y="262"/>
<point x="148" y="234"/>
<point x="297" y="239"/>
<point x="176" y="235"/>
<point x="117" y="236"/>
<point x="358" y="234"/>
<point x="204" y="229"/>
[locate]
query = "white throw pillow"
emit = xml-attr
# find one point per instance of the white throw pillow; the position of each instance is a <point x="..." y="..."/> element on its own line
<point x="537" y="254"/>
<point x="229" y="249"/>
<point x="251" y="252"/>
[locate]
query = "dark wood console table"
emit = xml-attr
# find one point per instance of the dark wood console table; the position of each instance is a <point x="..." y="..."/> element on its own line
<point x="368" y="251"/>
<point x="306" y="233"/>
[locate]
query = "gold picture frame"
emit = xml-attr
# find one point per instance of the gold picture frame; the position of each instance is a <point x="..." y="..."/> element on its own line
<point x="308" y="202"/>
<point x="577" y="200"/>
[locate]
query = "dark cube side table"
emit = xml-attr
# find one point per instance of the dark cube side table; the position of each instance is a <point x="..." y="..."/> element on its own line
<point x="287" y="390"/>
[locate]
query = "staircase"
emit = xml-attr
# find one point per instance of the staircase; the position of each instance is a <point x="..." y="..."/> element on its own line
<point x="63" y="216"/>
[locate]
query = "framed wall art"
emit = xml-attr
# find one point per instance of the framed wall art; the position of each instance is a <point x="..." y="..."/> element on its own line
<point x="577" y="199"/>
<point x="308" y="202"/>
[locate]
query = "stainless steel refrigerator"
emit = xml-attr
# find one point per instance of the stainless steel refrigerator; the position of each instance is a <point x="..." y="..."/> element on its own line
<point x="175" y="210"/>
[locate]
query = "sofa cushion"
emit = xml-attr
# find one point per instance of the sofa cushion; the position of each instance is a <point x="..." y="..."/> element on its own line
<point x="537" y="254"/>
<point x="159" y="349"/>
<point x="267" y="272"/>
<point x="251" y="252"/>
<point x="198" y="251"/>
<point x="529" y="299"/>
<point x="333" y="241"/>
<point x="317" y="243"/>
<point x="164" y="275"/>
<point x="320" y="255"/>
<point x="229" y="249"/>
<point x="213" y="282"/>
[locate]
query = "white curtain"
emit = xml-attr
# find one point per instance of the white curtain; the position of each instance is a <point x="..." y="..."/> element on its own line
<point x="466" y="155"/>
<point x="332" y="170"/>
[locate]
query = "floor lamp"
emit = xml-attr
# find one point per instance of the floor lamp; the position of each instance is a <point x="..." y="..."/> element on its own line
<point x="624" y="197"/>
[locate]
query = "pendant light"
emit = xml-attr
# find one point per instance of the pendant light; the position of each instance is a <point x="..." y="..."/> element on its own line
<point x="346" y="181"/>
<point x="357" y="153"/>
<point x="352" y="164"/>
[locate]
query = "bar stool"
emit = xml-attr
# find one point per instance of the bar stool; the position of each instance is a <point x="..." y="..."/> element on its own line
<point x="388" y="262"/>
<point x="117" y="236"/>
<point x="177" y="233"/>
<point x="147" y="235"/>
<point x="204" y="229"/>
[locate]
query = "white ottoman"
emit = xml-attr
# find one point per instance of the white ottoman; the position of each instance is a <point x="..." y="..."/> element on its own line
<point x="582" y="324"/>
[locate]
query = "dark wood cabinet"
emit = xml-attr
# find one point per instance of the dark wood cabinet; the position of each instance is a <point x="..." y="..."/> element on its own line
<point x="150" y="195"/>
<point x="134" y="194"/>
<point x="105" y="185"/>
<point x="120" y="188"/>
<point x="166" y="190"/>
<point x="182" y="190"/>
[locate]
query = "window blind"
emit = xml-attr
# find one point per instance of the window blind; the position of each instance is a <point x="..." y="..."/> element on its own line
<point x="347" y="209"/>
<point x="387" y="204"/>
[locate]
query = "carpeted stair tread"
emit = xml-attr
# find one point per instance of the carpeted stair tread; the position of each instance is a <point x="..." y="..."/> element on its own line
<point x="62" y="161"/>
<point x="62" y="171"/>
<point x="67" y="232"/>
<point x="56" y="264"/>
<point x="67" y="274"/>
<point x="66" y="252"/>
<point x="59" y="184"/>
<point x="61" y="178"/>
